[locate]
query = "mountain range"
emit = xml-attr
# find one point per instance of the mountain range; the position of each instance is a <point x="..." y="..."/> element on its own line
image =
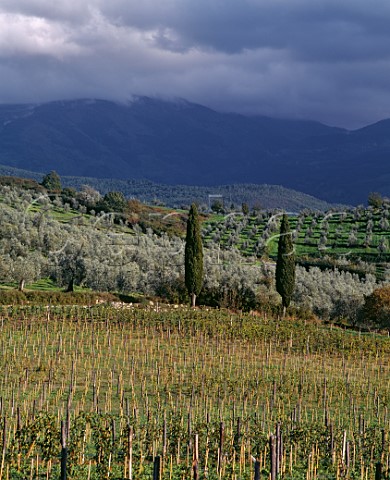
<point x="178" y="142"/>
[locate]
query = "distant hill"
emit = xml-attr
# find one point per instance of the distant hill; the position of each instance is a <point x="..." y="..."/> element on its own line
<point x="265" y="196"/>
<point x="188" y="144"/>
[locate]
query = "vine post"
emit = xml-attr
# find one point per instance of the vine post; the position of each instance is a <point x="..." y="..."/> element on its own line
<point x="64" y="451"/>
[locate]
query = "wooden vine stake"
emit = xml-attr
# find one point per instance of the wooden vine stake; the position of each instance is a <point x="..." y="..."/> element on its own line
<point x="130" y="454"/>
<point x="279" y="449"/>
<point x="272" y="449"/>
<point x="196" y="457"/>
<point x="220" y="448"/>
<point x="378" y="471"/>
<point x="4" y="448"/>
<point x="64" y="451"/>
<point x="156" y="468"/>
<point x="257" y="470"/>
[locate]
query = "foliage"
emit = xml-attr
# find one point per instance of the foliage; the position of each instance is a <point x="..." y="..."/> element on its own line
<point x="376" y="309"/>
<point x="353" y="236"/>
<point x="52" y="182"/>
<point x="15" y="297"/>
<point x="72" y="266"/>
<point x="40" y="232"/>
<point x="332" y="294"/>
<point x="173" y="290"/>
<point x="193" y="255"/>
<point x="217" y="206"/>
<point x="23" y="183"/>
<point x="182" y="196"/>
<point x="375" y="200"/>
<point x="159" y="375"/>
<point x="237" y="298"/>
<point x="113" y="202"/>
<point x="285" y="264"/>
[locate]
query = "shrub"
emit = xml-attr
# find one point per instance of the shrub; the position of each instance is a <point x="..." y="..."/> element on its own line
<point x="346" y="308"/>
<point x="332" y="294"/>
<point x="376" y="309"/>
<point x="173" y="291"/>
<point x="14" y="297"/>
<point x="242" y="298"/>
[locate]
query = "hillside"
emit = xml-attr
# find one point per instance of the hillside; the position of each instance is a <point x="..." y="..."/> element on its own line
<point x="336" y="237"/>
<point x="188" y="144"/>
<point x="265" y="196"/>
<point x="80" y="238"/>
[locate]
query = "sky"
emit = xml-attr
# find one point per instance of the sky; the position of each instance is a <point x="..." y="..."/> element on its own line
<point x="325" y="60"/>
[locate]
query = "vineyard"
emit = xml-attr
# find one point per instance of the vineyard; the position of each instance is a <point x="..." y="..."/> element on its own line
<point x="173" y="393"/>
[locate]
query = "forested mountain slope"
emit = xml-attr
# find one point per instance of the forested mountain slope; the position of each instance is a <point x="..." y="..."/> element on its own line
<point x="184" y="143"/>
<point x="263" y="196"/>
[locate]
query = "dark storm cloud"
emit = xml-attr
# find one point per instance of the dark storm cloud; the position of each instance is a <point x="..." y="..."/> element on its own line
<point x="326" y="60"/>
<point x="308" y="29"/>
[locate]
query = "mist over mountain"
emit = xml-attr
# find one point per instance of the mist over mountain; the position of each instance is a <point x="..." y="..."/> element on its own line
<point x="184" y="143"/>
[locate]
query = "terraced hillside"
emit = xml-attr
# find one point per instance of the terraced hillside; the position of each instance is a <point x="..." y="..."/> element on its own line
<point x="361" y="232"/>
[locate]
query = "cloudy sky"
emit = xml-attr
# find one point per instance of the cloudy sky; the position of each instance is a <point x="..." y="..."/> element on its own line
<point x="327" y="60"/>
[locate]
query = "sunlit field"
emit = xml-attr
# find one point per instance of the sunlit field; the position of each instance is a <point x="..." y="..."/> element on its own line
<point x="211" y="394"/>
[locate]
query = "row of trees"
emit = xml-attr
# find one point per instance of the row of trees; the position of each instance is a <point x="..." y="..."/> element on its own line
<point x="285" y="265"/>
<point x="363" y="233"/>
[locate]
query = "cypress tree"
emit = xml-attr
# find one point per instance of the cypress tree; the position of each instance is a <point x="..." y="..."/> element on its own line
<point x="193" y="255"/>
<point x="285" y="264"/>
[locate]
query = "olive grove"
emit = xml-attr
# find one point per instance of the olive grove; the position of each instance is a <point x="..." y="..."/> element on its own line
<point x="38" y="240"/>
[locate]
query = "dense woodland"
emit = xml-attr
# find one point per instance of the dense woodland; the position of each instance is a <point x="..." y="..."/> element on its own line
<point x="266" y="196"/>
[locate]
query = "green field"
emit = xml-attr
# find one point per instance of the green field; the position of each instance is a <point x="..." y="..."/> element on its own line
<point x="168" y="377"/>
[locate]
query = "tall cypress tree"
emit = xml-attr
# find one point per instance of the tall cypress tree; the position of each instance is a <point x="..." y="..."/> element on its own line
<point x="285" y="264"/>
<point x="193" y="255"/>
